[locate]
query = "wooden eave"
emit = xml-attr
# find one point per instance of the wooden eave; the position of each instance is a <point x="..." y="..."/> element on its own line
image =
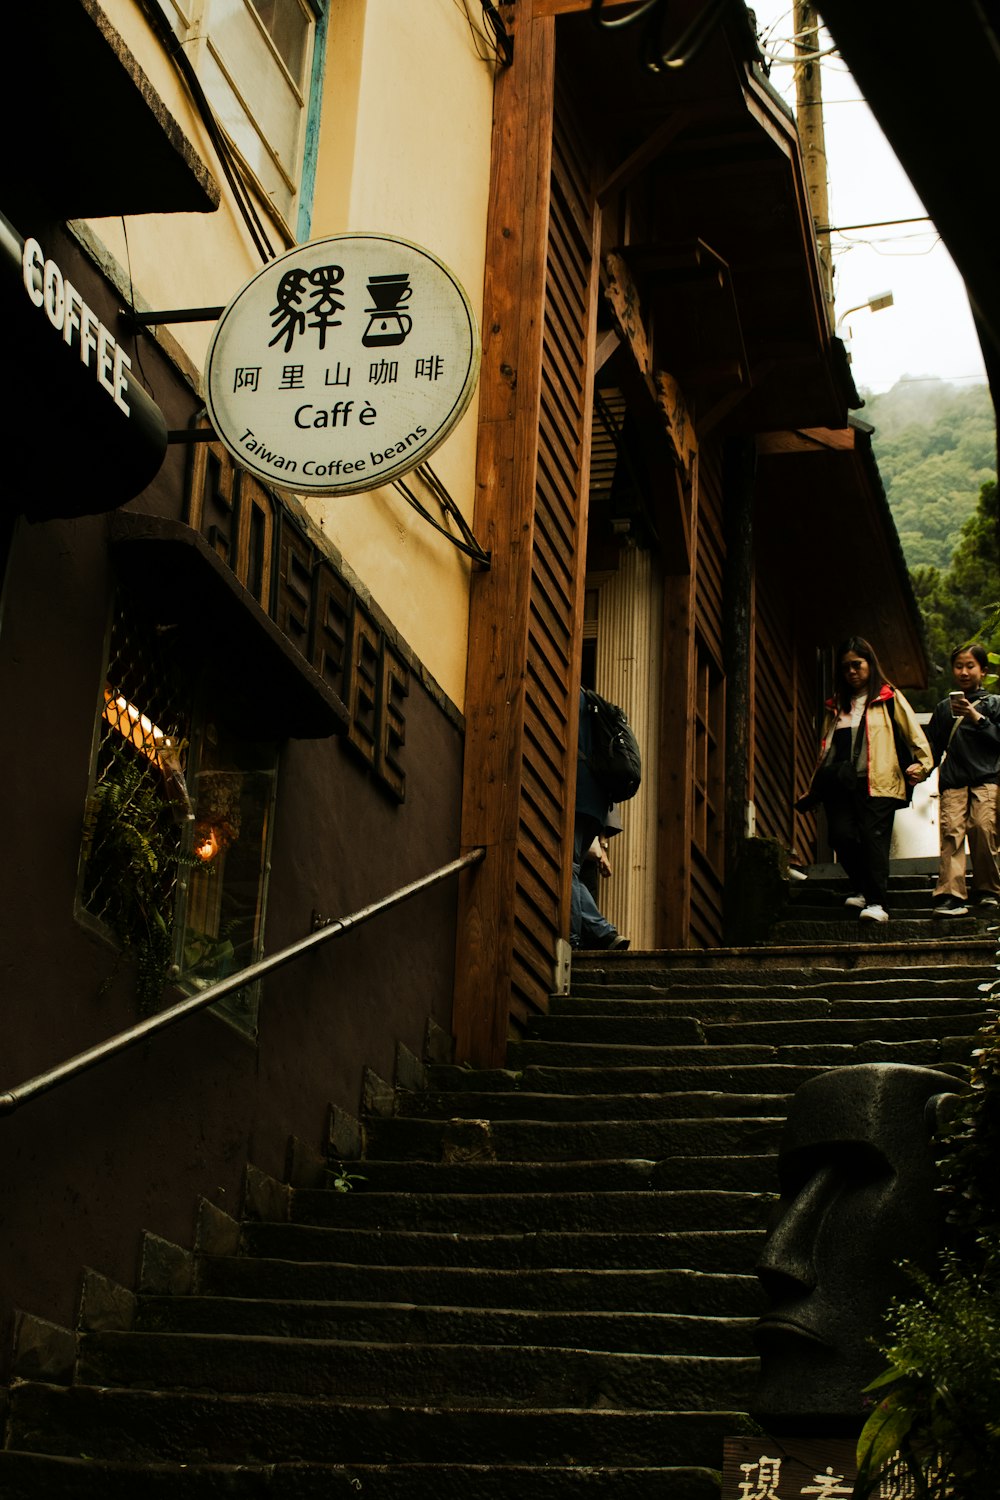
<point x="706" y="165"/>
<point x="824" y="526"/>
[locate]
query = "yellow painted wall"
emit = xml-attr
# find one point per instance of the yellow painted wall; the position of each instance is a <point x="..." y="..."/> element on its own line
<point x="404" y="149"/>
<point x="180" y="260"/>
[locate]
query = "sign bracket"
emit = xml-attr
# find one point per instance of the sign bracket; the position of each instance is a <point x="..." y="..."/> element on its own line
<point x="467" y="543"/>
<point x="172" y="315"/>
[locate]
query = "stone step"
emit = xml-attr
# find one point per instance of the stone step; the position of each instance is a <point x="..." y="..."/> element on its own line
<point x="831" y="877"/>
<point x="484" y="1213"/>
<point x="776" y="1000"/>
<point x="457" y="1076"/>
<point x="408" y="1322"/>
<point x="531" y="1105"/>
<point x="607" y="1175"/>
<point x="792" y="930"/>
<point x="805" y="976"/>
<point x="556" y="1177"/>
<point x="30" y="1476"/>
<point x="941" y="947"/>
<point x="759" y="1078"/>
<point x="501" y="1375"/>
<point x="558" y="1289"/>
<point x="923" y="1053"/>
<point x="654" y="1031"/>
<point x="758" y="1174"/>
<point x="547" y="1140"/>
<point x="708" y="1250"/>
<point x="189" y="1427"/>
<point x="825" y="898"/>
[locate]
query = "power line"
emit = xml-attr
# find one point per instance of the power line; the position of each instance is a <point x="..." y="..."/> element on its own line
<point x="875" y="224"/>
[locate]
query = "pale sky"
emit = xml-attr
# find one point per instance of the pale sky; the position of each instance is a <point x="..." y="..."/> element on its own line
<point x="929" y="330"/>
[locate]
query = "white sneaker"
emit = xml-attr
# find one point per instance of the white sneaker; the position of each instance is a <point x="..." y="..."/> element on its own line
<point x="858" y="901"/>
<point x="874" y="914"/>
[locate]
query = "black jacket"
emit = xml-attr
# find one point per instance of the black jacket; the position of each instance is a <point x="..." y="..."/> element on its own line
<point x="973" y="751"/>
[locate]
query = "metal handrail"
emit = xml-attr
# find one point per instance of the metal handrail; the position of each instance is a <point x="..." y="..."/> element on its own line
<point x="42" y="1082"/>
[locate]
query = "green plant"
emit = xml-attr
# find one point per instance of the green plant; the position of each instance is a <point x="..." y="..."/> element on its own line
<point x="131" y="854"/>
<point x="343" y="1181"/>
<point x="938" y="1401"/>
<point x="990" y="628"/>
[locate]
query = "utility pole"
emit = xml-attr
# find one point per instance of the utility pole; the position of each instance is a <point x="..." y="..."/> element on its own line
<point x="809" y="113"/>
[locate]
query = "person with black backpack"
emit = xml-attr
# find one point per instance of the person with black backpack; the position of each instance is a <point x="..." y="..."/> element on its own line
<point x="588" y="927"/>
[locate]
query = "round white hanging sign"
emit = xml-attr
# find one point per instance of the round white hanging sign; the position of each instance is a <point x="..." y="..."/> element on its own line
<point x="342" y="364"/>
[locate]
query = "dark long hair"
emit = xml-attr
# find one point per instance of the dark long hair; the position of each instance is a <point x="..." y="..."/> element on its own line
<point x="856" y="645"/>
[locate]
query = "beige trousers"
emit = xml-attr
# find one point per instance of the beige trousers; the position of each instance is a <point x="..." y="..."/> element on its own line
<point x="968" y="812"/>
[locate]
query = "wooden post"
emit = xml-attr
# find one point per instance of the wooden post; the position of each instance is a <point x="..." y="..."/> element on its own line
<point x="809" y="115"/>
<point x="673" y="866"/>
<point x="505" y="494"/>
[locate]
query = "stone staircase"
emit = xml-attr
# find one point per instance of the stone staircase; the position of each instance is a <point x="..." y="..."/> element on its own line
<point x="541" y="1283"/>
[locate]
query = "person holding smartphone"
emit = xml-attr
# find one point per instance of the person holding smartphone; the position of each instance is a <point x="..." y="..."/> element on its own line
<point x="964" y="735"/>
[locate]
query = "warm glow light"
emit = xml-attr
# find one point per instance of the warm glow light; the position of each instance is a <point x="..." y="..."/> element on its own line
<point x="134" y="725"/>
<point x="206" y="844"/>
<point x="149" y="739"/>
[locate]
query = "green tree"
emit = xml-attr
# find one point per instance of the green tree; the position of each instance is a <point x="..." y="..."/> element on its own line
<point x="958" y="602"/>
<point x="935" y="447"/>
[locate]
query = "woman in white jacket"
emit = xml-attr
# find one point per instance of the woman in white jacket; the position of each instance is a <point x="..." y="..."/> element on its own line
<point x="872" y="754"/>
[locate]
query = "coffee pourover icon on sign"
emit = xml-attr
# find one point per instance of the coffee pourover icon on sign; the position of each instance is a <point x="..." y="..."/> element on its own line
<point x="387" y="325"/>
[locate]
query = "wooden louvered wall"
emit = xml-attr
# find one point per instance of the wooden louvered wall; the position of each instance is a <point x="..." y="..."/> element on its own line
<point x="786" y="722"/>
<point x="691" y="856"/>
<point x="544" y="845"/>
<point x="774" y="720"/>
<point x="709" y="715"/>
<point x="525" y="617"/>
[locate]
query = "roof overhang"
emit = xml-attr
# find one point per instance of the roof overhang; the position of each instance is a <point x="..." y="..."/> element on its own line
<point x="828" y="529"/>
<point x="945" y="134"/>
<point x="719" y="236"/>
<point x="88" y="135"/>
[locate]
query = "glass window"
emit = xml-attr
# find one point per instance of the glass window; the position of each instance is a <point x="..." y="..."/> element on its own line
<point x="222" y="888"/>
<point x="177" y="829"/>
<point x="254" y="59"/>
<point x="287" y="24"/>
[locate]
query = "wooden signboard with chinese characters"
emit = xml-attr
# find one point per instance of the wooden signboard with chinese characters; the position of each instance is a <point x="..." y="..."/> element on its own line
<point x="765" y="1468"/>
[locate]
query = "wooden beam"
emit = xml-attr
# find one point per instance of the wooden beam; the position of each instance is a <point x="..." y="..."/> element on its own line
<point x="722" y="408"/>
<point x="806" y="440"/>
<point x="658" y="143"/>
<point x="677" y="420"/>
<point x="666" y="401"/>
<point x="623" y="297"/>
<point x="608" y="344"/>
<point x="541" y="8"/>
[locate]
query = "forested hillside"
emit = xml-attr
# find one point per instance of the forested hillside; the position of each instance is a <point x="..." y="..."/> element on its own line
<point x="935" y="446"/>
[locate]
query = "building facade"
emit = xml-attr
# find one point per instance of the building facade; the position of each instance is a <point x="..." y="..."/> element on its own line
<point x="230" y="710"/>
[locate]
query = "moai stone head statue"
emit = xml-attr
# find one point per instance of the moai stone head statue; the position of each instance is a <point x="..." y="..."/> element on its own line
<point x="857" y="1174"/>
